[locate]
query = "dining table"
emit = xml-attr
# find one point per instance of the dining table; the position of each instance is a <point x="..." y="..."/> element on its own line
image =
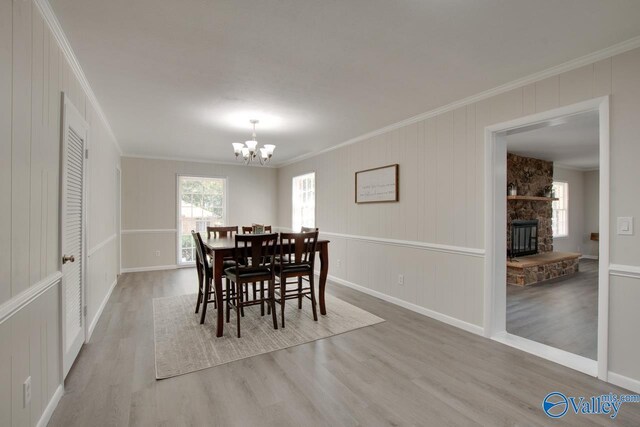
<point x="220" y="249"/>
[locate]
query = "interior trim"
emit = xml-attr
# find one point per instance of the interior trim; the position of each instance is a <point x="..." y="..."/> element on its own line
<point x="196" y="160"/>
<point x="151" y="268"/>
<point x="616" y="49"/>
<point x="149" y="230"/>
<point x="621" y="270"/>
<point x="101" y="245"/>
<point x="469" y="327"/>
<point x="24" y="298"/>
<point x="436" y="247"/>
<point x="624" y="382"/>
<point x="54" y="25"/>
<point x="556" y="355"/>
<point x="51" y="406"/>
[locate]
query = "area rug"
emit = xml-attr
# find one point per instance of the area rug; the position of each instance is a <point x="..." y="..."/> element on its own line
<point x="183" y="345"/>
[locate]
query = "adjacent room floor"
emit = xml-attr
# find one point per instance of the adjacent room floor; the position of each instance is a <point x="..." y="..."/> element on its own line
<point x="408" y="370"/>
<point x="562" y="313"/>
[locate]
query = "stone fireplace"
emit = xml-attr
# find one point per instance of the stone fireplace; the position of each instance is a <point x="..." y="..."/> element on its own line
<point x="530" y="176"/>
<point x="529" y="232"/>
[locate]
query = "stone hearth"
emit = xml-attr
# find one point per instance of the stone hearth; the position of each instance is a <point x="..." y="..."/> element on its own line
<point x="538" y="268"/>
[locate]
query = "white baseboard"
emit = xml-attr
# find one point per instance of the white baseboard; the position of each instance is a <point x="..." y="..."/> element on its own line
<point x="556" y="355"/>
<point x="469" y="327"/>
<point x="624" y="382"/>
<point x="51" y="406"/>
<point x="94" y="322"/>
<point x="152" y="268"/>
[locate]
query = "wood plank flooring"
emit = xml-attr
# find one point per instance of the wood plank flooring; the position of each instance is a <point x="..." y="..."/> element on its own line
<point x="409" y="370"/>
<point x="562" y="313"/>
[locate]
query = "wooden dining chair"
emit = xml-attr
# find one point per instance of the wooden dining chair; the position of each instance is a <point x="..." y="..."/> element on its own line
<point x="204" y="268"/>
<point x="248" y="229"/>
<point x="255" y="258"/>
<point x="222" y="232"/>
<point x="297" y="258"/>
<point x="308" y="229"/>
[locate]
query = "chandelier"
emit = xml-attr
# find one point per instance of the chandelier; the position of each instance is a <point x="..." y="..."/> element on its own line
<point x="248" y="151"/>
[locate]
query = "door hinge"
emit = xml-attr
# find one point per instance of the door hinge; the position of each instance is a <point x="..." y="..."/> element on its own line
<point x="86" y="153"/>
<point x="85" y="311"/>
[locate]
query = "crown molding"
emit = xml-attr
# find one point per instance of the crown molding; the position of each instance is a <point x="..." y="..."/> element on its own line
<point x="194" y="160"/>
<point x="54" y="25"/>
<point x="515" y="84"/>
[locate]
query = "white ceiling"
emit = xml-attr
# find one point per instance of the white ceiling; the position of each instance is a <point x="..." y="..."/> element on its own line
<point x="182" y="78"/>
<point x="574" y="143"/>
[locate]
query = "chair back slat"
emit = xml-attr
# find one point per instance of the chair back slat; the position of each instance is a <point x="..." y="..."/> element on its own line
<point x="255" y="252"/>
<point x="222" y="232"/>
<point x="202" y="261"/>
<point x="298" y="248"/>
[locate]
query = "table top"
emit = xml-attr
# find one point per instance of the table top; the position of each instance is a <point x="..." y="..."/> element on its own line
<point x="230" y="243"/>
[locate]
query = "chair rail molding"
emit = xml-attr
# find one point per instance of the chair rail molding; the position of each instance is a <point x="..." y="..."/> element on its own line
<point x="15" y="304"/>
<point x="412" y="244"/>
<point x="621" y="270"/>
<point x="101" y="245"/>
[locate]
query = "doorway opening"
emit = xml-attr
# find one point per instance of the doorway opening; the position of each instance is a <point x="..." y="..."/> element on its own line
<point x="546" y="266"/>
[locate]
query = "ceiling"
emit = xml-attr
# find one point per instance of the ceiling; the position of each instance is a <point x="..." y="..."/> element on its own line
<point x="182" y="78"/>
<point x="575" y="142"/>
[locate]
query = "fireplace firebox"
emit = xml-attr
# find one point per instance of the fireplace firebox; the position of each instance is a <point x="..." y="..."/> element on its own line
<point x="524" y="238"/>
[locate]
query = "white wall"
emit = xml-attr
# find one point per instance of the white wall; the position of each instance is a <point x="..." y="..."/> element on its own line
<point x="442" y="195"/>
<point x="576" y="239"/>
<point x="33" y="73"/>
<point x="149" y="204"/>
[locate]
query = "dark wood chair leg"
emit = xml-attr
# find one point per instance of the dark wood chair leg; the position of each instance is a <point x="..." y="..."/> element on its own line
<point x="283" y="291"/>
<point x="272" y="303"/>
<point x="313" y="297"/>
<point x="199" y="300"/>
<point x="239" y="306"/>
<point x="205" y="296"/>
<point x="300" y="293"/>
<point x="262" y="298"/>
<point x="228" y="306"/>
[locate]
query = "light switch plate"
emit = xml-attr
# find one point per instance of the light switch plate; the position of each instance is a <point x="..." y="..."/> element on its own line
<point x="625" y="225"/>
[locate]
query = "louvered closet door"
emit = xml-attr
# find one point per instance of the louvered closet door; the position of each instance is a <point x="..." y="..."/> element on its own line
<point x="72" y="224"/>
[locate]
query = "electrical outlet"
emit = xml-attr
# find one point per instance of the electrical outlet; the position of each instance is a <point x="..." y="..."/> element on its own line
<point x="339" y="263"/>
<point x="400" y="279"/>
<point x="157" y="253"/>
<point x="26" y="388"/>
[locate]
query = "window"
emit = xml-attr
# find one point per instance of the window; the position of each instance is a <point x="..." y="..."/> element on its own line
<point x="560" y="220"/>
<point x="303" y="201"/>
<point x="201" y="203"/>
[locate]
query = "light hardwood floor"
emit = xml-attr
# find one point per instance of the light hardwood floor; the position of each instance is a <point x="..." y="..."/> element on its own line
<point x="409" y="370"/>
<point x="562" y="313"/>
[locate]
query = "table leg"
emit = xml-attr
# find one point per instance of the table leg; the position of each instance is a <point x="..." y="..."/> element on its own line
<point x="217" y="280"/>
<point x="324" y="268"/>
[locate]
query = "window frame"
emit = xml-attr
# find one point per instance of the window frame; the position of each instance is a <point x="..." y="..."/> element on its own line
<point x="225" y="212"/>
<point x="565" y="209"/>
<point x="315" y="198"/>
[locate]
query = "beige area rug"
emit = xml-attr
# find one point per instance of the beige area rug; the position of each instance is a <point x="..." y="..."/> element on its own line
<point x="183" y="345"/>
